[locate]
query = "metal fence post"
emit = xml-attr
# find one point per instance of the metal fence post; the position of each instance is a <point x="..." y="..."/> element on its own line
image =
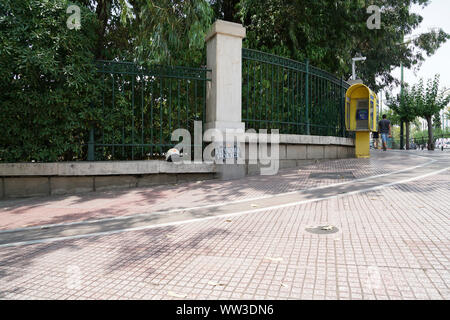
<point x="91" y="144"/>
<point x="342" y="106"/>
<point x="307" y="97"/>
<point x="401" y="135"/>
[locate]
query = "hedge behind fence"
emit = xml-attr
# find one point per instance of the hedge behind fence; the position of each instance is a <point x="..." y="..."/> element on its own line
<point x="47" y="81"/>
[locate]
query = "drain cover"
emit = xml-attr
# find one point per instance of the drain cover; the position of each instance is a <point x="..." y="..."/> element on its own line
<point x="332" y="175"/>
<point x="327" y="229"/>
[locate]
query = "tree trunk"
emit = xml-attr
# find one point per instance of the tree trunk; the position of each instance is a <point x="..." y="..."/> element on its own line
<point x="430" y="134"/>
<point x="230" y="10"/>
<point x="401" y="135"/>
<point x="407" y="135"/>
<point x="103" y="12"/>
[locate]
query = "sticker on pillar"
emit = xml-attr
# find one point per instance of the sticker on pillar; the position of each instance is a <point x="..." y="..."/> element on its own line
<point x="228" y="152"/>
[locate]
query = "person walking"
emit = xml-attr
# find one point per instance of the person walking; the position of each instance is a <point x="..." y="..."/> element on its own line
<point x="384" y="127"/>
<point x="375" y="137"/>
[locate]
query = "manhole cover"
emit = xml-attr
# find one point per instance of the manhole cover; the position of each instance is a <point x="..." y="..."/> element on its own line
<point x="326" y="229"/>
<point x="332" y="175"/>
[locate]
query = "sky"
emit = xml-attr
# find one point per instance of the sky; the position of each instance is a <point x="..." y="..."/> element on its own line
<point x="435" y="15"/>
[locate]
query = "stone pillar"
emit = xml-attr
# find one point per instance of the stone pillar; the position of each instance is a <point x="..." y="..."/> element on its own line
<point x="224" y="92"/>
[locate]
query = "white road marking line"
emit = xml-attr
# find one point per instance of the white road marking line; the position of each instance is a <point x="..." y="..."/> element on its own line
<point x="217" y="204"/>
<point x="219" y="216"/>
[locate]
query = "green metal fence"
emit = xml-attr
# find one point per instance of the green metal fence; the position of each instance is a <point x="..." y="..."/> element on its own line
<point x="142" y="107"/>
<point x="295" y="97"/>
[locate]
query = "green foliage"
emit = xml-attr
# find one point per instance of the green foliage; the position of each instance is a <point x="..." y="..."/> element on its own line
<point x="392" y="116"/>
<point x="447" y="110"/>
<point x="172" y="32"/>
<point x="437" y="133"/>
<point x="50" y="88"/>
<point x="331" y="32"/>
<point x="159" y="31"/>
<point x="395" y="131"/>
<point x="437" y="123"/>
<point x="143" y="107"/>
<point x="274" y="97"/>
<point x="430" y="100"/>
<point x="402" y="106"/>
<point x="427" y="102"/>
<point x="47" y="81"/>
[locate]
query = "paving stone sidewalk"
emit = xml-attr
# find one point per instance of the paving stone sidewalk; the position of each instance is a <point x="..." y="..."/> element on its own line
<point x="391" y="243"/>
<point x="17" y="213"/>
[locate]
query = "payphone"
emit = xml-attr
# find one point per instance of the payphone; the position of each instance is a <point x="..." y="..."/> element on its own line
<point x="360" y="116"/>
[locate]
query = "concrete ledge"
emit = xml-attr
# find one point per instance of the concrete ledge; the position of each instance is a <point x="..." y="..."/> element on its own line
<point x="296" y="152"/>
<point x="20" y="187"/>
<point x="345" y="152"/>
<point x="169" y="167"/>
<point x="252" y="152"/>
<point x="315" y="152"/>
<point x="99" y="168"/>
<point x="26" y="187"/>
<point x="330" y="152"/>
<point x="303" y="139"/>
<point x="320" y="140"/>
<point x="63" y="185"/>
<point x="104" y="183"/>
<point x="192" y="177"/>
<point x="42" y="179"/>
<point x="156" y="179"/>
<point x="297" y="147"/>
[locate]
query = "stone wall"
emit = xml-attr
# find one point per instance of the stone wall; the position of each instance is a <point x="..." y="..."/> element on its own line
<point x="44" y="179"/>
<point x="300" y="150"/>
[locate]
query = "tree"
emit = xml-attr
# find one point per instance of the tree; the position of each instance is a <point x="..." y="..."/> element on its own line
<point x="330" y="32"/>
<point x="437" y="123"/>
<point x="47" y="81"/>
<point x="149" y="32"/>
<point x="403" y="108"/>
<point x="49" y="84"/>
<point x="227" y="10"/>
<point x="393" y="117"/>
<point x="427" y="102"/>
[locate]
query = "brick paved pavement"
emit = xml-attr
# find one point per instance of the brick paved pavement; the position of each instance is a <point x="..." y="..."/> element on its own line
<point x="392" y="243"/>
<point x="18" y="213"/>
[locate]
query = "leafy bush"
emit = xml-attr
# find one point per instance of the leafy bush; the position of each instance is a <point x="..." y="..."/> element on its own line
<point x="48" y="81"/>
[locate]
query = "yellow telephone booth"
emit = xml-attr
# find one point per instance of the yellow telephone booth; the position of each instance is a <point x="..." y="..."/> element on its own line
<point x="360" y="116"/>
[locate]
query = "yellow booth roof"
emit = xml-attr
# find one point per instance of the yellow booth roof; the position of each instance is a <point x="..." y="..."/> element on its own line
<point x="357" y="86"/>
